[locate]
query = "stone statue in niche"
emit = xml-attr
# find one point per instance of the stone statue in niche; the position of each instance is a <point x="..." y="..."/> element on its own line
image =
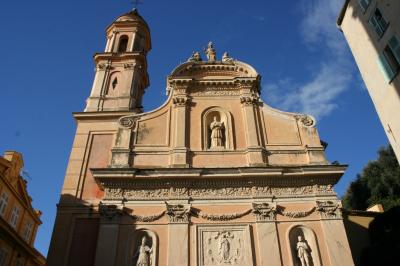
<point x="303" y="251"/>
<point x="143" y="254"/>
<point x="217" y="136"/>
<point x="210" y="52"/>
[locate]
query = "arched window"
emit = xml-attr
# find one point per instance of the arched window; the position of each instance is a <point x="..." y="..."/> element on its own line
<point x="123" y="44"/>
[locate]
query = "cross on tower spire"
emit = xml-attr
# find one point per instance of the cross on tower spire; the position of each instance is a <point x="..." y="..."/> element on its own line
<point x="135" y="3"/>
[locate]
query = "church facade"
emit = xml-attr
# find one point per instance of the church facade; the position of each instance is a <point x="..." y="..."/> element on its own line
<point x="212" y="177"/>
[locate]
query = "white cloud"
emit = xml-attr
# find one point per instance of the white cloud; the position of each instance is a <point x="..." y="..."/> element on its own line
<point x="318" y="96"/>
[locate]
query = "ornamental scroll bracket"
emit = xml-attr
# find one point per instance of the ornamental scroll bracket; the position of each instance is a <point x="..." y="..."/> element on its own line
<point x="179" y="213"/>
<point x="128" y="121"/>
<point x="329" y="209"/>
<point x="110" y="212"/>
<point x="306" y="120"/>
<point x="264" y="211"/>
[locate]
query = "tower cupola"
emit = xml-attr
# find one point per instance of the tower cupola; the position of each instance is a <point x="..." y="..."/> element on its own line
<point x="121" y="70"/>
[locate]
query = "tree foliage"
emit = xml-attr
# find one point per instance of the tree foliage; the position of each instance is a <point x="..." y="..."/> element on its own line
<point x="379" y="182"/>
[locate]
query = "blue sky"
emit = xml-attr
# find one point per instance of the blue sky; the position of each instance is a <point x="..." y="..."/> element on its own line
<point x="47" y="72"/>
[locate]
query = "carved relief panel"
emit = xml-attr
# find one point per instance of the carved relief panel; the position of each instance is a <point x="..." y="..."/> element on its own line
<point x="224" y="245"/>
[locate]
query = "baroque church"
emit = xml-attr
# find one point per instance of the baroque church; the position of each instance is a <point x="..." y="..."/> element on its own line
<point x="212" y="177"/>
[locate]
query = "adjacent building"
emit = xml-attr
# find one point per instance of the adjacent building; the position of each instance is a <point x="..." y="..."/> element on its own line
<point x="372" y="30"/>
<point x="212" y="177"/>
<point x="19" y="221"/>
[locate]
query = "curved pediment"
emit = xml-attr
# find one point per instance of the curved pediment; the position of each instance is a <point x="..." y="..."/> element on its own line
<point x="214" y="70"/>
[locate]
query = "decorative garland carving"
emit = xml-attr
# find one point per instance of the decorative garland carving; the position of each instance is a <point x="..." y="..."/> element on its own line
<point x="224" y="217"/>
<point x="181" y="213"/>
<point x="297" y="214"/>
<point x="148" y="218"/>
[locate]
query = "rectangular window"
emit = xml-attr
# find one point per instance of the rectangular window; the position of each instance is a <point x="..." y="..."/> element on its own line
<point x="3" y="203"/>
<point x="14" y="216"/>
<point x="379" y="23"/>
<point x="28" y="231"/>
<point x="3" y="256"/>
<point x="389" y="60"/>
<point x="364" y="4"/>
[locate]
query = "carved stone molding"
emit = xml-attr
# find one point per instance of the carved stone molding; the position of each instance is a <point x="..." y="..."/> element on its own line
<point x="180" y="101"/>
<point x="306" y="120"/>
<point x="329" y="209"/>
<point x="178" y="213"/>
<point x="224" y="217"/>
<point x="211" y="192"/>
<point x="264" y="211"/>
<point x="248" y="100"/>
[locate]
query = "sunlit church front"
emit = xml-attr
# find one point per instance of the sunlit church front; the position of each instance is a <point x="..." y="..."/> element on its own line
<point x="214" y="176"/>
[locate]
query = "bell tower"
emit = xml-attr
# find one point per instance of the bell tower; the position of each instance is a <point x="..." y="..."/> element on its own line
<point x="121" y="71"/>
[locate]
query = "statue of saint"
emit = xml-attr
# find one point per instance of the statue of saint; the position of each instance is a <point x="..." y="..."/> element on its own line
<point x="210" y="52"/>
<point x="224" y="248"/>
<point x="226" y="58"/>
<point x="303" y="251"/>
<point x="144" y="254"/>
<point x="195" y="57"/>
<point x="216" y="134"/>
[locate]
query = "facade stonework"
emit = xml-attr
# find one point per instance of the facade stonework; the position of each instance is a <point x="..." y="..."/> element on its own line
<point x="212" y="177"/>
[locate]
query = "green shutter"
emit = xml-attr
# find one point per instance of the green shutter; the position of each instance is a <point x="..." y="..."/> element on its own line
<point x="385" y="67"/>
<point x="394" y="44"/>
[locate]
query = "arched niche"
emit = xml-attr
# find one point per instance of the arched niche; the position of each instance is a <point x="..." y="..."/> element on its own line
<point x="309" y="240"/>
<point x="134" y="247"/>
<point x="224" y="119"/>
<point x="114" y="83"/>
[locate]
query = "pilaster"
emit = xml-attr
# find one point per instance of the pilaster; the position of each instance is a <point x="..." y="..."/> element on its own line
<point x="107" y="241"/>
<point x="267" y="234"/>
<point x="178" y="233"/>
<point x="249" y="100"/>
<point x="179" y="152"/>
<point x="335" y="235"/>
